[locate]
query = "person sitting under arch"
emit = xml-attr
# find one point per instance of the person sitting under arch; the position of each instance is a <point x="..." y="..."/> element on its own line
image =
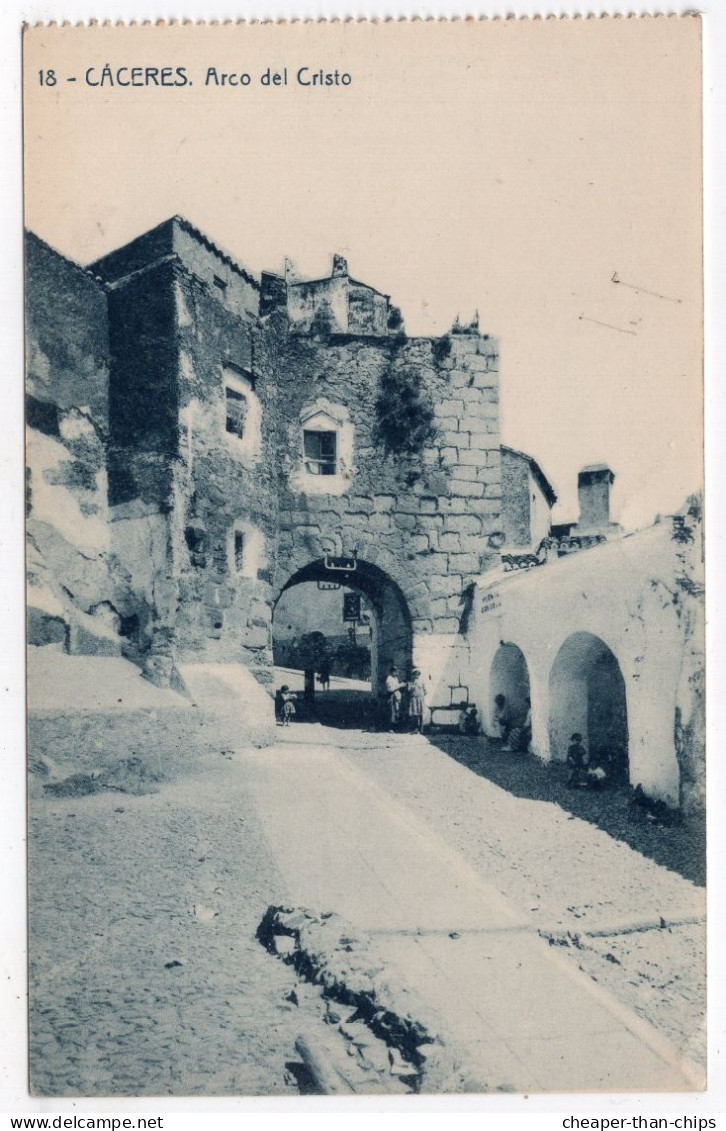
<point x="503" y="718"/>
<point x="521" y="736"/>
<point x="469" y="721"/>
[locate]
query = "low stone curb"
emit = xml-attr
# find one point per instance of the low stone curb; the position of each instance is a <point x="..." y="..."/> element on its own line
<point x="327" y="950"/>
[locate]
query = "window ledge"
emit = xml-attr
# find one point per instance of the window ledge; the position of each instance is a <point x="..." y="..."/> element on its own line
<point x="323" y="484"/>
<point x="245" y="449"/>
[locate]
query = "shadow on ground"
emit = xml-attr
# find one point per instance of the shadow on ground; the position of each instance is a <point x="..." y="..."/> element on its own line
<point x="682" y="847"/>
<point x="340" y="708"/>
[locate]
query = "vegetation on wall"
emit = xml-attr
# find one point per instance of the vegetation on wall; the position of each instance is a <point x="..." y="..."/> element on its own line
<point x="395" y="319"/>
<point x="404" y="413"/>
<point x="441" y="348"/>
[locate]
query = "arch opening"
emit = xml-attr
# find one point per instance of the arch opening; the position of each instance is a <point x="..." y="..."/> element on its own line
<point x="310" y="634"/>
<point x="509" y="676"/>
<point x="587" y="695"/>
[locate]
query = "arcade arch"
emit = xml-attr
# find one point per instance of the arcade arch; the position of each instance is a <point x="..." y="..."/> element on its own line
<point x="509" y="676"/>
<point x="587" y="695"/>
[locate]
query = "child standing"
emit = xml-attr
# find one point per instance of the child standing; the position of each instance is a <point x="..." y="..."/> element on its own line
<point x="416" y="700"/>
<point x="577" y="760"/>
<point x="288" y="704"/>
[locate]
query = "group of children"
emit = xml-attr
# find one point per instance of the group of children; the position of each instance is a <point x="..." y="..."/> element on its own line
<point x="405" y="700"/>
<point x="517" y="736"/>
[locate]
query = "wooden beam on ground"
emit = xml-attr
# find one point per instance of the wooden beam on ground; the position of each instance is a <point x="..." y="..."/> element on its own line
<point x="319" y="1064"/>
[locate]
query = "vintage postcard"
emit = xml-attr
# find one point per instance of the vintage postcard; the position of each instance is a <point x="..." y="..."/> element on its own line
<point x="365" y="557"/>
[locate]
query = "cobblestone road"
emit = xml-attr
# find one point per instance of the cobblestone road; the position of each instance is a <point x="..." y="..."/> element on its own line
<point x="145" y="974"/>
<point x="566" y="874"/>
<point x="146" y="977"/>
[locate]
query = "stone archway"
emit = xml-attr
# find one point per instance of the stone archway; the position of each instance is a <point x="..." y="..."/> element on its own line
<point x="391" y="632"/>
<point x="587" y="694"/>
<point x="509" y="676"/>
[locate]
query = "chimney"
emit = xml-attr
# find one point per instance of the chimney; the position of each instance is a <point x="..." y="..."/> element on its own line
<point x="340" y="266"/>
<point x="593" y="490"/>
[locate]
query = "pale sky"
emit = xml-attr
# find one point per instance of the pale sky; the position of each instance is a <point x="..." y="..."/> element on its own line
<point x="508" y="167"/>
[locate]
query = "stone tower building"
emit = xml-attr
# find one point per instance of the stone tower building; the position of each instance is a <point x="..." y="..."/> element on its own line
<point x="261" y="433"/>
<point x="201" y="440"/>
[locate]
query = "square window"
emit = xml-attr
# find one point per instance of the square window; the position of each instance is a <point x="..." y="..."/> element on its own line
<point x="321" y="453"/>
<point x="239" y="550"/>
<point x="236" y="405"/>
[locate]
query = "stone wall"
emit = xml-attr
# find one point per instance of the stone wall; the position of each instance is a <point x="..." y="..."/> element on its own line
<point x="143" y="402"/>
<point x="527" y="500"/>
<point x="324" y="299"/>
<point x="425" y="518"/>
<point x="176" y="240"/>
<point x="70" y="572"/>
<point x="230" y="283"/>
<point x="224" y="484"/>
<point x="515" y="494"/>
<point x="180" y="318"/>
<point x="417" y="491"/>
<point x="66" y="397"/>
<point x="143" y="444"/>
<point x="367" y="310"/>
<point x="336" y="305"/>
<point x="66" y="334"/>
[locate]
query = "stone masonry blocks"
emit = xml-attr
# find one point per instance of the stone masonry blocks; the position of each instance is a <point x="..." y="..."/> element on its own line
<point x="421" y="518"/>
